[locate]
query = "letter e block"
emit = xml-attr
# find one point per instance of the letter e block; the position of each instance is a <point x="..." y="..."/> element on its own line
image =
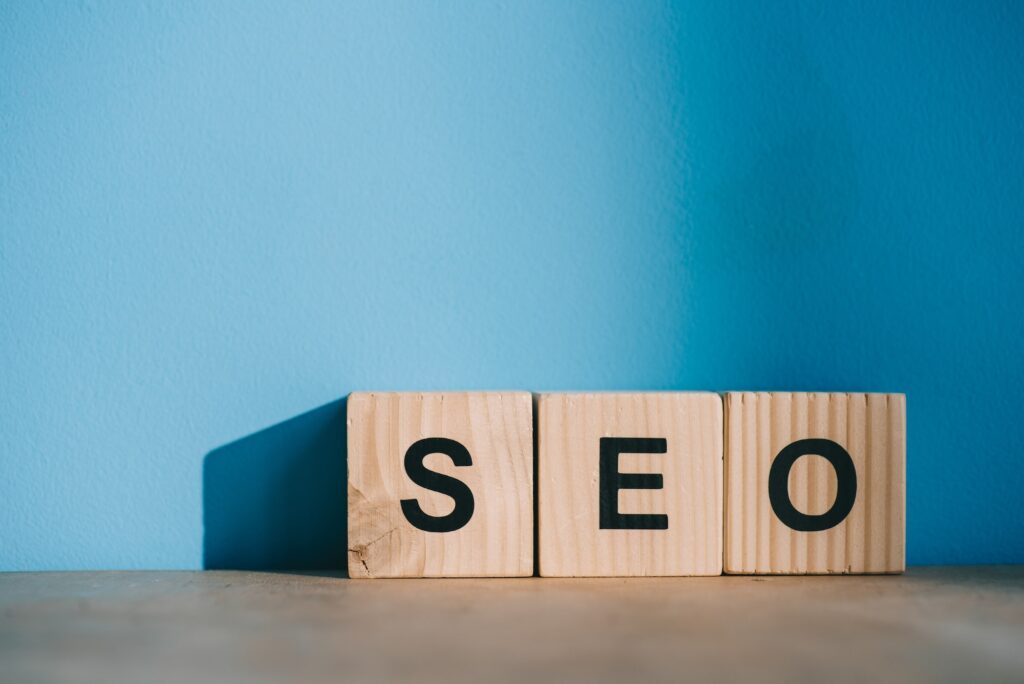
<point x="629" y="484"/>
<point x="815" y="483"/>
<point x="440" y="484"/>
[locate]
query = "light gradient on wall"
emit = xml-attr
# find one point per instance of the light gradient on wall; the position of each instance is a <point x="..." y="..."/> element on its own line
<point x="217" y="217"/>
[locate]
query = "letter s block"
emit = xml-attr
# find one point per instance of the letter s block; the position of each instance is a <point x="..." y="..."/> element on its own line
<point x="440" y="484"/>
<point x="815" y="483"/>
<point x="629" y="484"/>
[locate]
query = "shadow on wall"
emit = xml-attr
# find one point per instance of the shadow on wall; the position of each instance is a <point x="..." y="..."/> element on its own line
<point x="277" y="499"/>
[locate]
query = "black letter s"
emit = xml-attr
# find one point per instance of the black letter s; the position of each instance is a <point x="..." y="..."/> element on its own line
<point x="438" y="482"/>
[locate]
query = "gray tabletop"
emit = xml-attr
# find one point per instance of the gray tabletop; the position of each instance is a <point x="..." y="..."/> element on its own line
<point x="932" y="624"/>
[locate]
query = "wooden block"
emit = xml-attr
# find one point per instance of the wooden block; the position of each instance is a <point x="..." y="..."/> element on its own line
<point x="841" y="510"/>
<point x="629" y="484"/>
<point x="440" y="484"/>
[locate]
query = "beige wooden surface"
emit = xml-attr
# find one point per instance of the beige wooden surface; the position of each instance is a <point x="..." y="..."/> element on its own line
<point x="872" y="429"/>
<point x="930" y="625"/>
<point x="497" y="430"/>
<point x="569" y="429"/>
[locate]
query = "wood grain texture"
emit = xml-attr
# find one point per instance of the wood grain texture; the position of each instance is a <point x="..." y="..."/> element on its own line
<point x="870" y="427"/>
<point x="569" y="430"/>
<point x="497" y="430"/>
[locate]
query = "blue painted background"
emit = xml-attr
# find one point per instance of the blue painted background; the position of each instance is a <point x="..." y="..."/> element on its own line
<point x="217" y="219"/>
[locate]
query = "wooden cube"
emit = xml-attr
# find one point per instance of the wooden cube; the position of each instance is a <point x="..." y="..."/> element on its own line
<point x="840" y="509"/>
<point x="629" y="484"/>
<point x="440" y="484"/>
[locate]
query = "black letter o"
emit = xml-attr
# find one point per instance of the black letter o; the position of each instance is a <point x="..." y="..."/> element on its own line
<point x="846" y="481"/>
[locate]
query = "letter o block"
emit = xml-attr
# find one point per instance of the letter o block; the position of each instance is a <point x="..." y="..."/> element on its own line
<point x="629" y="484"/>
<point x="440" y="484"/>
<point x="815" y="483"/>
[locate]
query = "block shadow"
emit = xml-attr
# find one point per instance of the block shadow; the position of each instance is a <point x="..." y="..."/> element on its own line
<point x="277" y="499"/>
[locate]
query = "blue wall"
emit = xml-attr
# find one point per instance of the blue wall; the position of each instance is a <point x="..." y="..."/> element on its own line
<point x="216" y="219"/>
